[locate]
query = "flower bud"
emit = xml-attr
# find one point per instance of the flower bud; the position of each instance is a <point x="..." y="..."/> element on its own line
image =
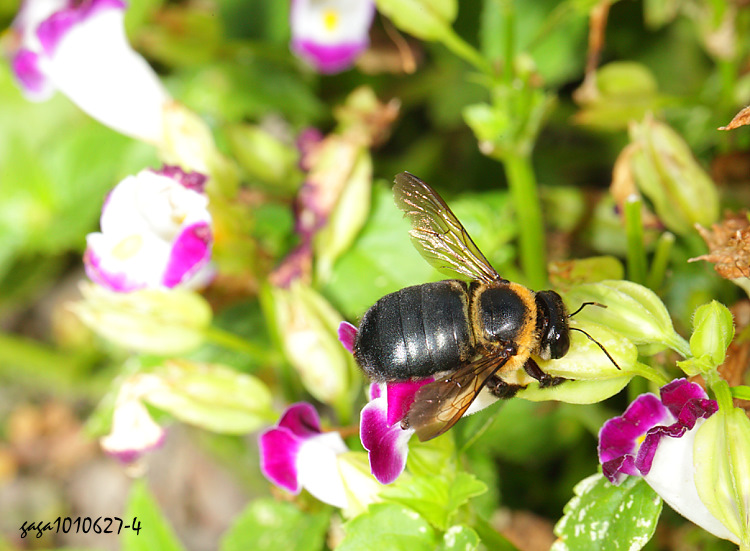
<point x="667" y="173"/>
<point x="347" y="217"/>
<point x="151" y="321"/>
<point x="713" y="331"/>
<point x="621" y="91"/>
<point x="722" y="471"/>
<point x="307" y="326"/>
<point x="632" y="310"/>
<point x="210" y="396"/>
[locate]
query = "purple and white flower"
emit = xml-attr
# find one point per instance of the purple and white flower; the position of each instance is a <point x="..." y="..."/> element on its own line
<point x="330" y="34"/>
<point x="655" y="439"/>
<point x="155" y="233"/>
<point x="133" y="431"/>
<point x="80" y="48"/>
<point x="296" y="454"/>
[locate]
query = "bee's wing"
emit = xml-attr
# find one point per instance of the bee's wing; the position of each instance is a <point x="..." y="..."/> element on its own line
<point x="440" y="404"/>
<point x="437" y="234"/>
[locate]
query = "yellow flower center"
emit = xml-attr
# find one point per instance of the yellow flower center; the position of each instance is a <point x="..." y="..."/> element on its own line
<point x="330" y="20"/>
<point x="128" y="247"/>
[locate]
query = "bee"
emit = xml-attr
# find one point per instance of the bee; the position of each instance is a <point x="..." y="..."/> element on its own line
<point x="466" y="335"/>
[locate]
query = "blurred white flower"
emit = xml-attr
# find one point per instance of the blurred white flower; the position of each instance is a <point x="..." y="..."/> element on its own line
<point x="80" y="48"/>
<point x="330" y="34"/>
<point x="155" y="233"/>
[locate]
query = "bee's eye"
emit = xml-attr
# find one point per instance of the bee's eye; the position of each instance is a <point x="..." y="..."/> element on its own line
<point x="552" y="326"/>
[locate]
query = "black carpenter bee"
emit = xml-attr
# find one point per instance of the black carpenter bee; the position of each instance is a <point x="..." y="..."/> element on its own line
<point x="474" y="331"/>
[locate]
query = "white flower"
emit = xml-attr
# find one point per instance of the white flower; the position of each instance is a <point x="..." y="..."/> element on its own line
<point x="330" y="34"/>
<point x="155" y="233"/>
<point x="80" y="48"/>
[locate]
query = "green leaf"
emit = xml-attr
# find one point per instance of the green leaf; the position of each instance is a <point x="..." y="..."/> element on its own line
<point x="606" y="517"/>
<point x="155" y="532"/>
<point x="213" y="397"/>
<point x="632" y="310"/>
<point x="388" y="527"/>
<point x="459" y="537"/>
<point x="437" y="497"/>
<point x="425" y="19"/>
<point x="269" y="525"/>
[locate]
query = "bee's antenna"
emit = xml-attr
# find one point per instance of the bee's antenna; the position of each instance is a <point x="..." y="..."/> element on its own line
<point x="592" y="339"/>
<point x="587" y="304"/>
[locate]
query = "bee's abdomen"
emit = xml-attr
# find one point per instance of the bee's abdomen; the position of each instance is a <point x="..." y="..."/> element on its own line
<point x="415" y="332"/>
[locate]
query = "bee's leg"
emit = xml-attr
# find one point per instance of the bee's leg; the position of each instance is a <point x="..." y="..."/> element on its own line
<point x="501" y="389"/>
<point x="545" y="380"/>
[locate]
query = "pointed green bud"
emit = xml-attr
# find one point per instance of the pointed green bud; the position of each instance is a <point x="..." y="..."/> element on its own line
<point x="713" y="331"/>
<point x="153" y="321"/>
<point x="722" y="470"/>
<point x="264" y="156"/>
<point x="622" y="91"/>
<point x="632" y="310"/>
<point x="425" y="19"/>
<point x="307" y="325"/>
<point x="667" y="173"/>
<point x="347" y="218"/>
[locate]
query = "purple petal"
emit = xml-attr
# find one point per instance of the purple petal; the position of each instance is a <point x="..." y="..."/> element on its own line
<point x="401" y="397"/>
<point x="377" y="390"/>
<point x="301" y="420"/>
<point x="329" y="58"/>
<point x="295" y="266"/>
<point x="26" y="69"/>
<point x="278" y="456"/>
<point x="190" y="251"/>
<point x="677" y="393"/>
<point x="347" y="334"/>
<point x="387" y="444"/>
<point x="619" y="437"/>
<point x="52" y="30"/>
<point x="194" y="181"/>
<point x="694" y="409"/>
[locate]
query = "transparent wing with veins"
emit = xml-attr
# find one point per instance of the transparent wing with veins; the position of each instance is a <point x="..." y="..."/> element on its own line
<point x="437" y="234"/>
<point x="440" y="404"/>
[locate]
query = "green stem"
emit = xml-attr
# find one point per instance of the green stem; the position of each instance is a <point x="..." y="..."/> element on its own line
<point x="466" y="51"/>
<point x="660" y="261"/>
<point x="721" y="390"/>
<point x="679" y="345"/>
<point x="233" y="342"/>
<point x="636" y="254"/>
<point x="525" y="196"/>
<point x="648" y="372"/>
<point x="29" y="358"/>
<point x="509" y="45"/>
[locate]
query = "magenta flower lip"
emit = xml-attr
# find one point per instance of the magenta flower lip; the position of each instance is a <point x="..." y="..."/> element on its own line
<point x="627" y="444"/>
<point x="296" y="454"/>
